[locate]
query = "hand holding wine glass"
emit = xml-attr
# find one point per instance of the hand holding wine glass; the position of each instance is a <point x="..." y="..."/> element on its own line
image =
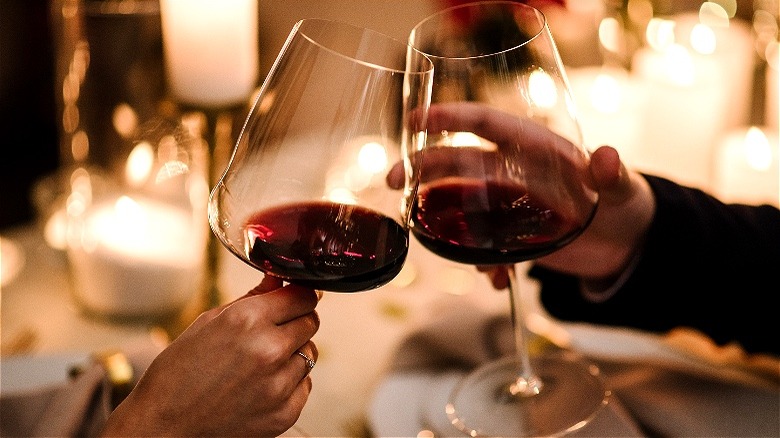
<point x="303" y="197"/>
<point x="504" y="178"/>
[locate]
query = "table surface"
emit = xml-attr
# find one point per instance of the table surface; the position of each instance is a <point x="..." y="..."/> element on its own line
<point x="360" y="333"/>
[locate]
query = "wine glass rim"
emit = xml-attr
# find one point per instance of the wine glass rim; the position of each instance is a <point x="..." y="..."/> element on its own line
<point x="543" y="24"/>
<point x="422" y="68"/>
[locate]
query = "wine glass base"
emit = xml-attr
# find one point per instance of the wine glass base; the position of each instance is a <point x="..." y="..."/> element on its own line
<point x="571" y="395"/>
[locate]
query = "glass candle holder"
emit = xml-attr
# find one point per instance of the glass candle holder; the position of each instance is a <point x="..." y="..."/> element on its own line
<point x="128" y="204"/>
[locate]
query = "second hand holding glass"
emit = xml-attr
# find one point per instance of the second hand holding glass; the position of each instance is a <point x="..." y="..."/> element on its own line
<point x="504" y="179"/>
<point x="304" y="196"/>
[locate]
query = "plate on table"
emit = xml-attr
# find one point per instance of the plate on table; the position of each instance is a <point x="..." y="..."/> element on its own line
<point x="24" y="373"/>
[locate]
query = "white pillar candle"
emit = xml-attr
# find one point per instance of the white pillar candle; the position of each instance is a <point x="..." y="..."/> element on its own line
<point x="137" y="258"/>
<point x="748" y="167"/>
<point x="211" y="50"/>
<point x="684" y="113"/>
<point x="729" y="45"/>
<point x="609" y="107"/>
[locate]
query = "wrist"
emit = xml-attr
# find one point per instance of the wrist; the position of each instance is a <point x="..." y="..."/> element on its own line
<point x="598" y="290"/>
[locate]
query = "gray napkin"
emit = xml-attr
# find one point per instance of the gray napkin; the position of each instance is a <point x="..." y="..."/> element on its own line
<point x="78" y="407"/>
<point x="648" y="399"/>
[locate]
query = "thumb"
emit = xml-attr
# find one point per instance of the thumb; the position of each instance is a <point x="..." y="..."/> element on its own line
<point x="610" y="175"/>
<point x="267" y="284"/>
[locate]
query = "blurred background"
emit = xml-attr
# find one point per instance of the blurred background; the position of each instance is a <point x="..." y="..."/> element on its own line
<point x="27" y="64"/>
<point x="27" y="78"/>
<point x="27" y="105"/>
<point x="682" y="88"/>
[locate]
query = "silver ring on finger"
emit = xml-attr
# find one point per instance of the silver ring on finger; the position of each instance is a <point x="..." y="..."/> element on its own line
<point x="309" y="362"/>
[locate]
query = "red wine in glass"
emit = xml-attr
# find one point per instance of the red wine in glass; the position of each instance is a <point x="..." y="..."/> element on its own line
<point x="483" y="222"/>
<point x="326" y="245"/>
<point x="304" y="197"/>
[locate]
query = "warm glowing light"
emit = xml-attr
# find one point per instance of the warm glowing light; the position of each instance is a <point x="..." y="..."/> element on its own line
<point x="703" y="39"/>
<point x="463" y="139"/>
<point x="714" y="14"/>
<point x="55" y="231"/>
<point x="267" y="102"/>
<point x="80" y="196"/>
<point x="372" y="158"/>
<point x="207" y="41"/>
<point x="679" y="66"/>
<point x="79" y="146"/>
<point x="610" y="34"/>
<point x="11" y="260"/>
<point x="758" y="153"/>
<point x="171" y="169"/>
<point x="355" y="178"/>
<point x="153" y="232"/>
<point x="125" y="120"/>
<point x="139" y="163"/>
<point x="660" y="33"/>
<point x="542" y="89"/>
<point x="606" y="95"/>
<point x="746" y="167"/>
<point x="342" y="195"/>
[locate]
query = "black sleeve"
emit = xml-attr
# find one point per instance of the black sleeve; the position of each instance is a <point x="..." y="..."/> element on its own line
<point x="706" y="265"/>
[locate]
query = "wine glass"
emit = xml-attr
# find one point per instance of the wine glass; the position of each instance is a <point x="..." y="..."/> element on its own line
<point x="504" y="179"/>
<point x="303" y="197"/>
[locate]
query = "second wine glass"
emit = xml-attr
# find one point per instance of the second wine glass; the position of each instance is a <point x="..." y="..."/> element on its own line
<point x="504" y="179"/>
<point x="304" y="196"/>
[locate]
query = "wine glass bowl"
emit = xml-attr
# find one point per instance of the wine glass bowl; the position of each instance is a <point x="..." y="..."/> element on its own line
<point x="504" y="179"/>
<point x="304" y="196"/>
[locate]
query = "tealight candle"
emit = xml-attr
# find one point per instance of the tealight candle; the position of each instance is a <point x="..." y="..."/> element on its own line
<point x="748" y="167"/>
<point x="211" y="49"/>
<point x="136" y="258"/>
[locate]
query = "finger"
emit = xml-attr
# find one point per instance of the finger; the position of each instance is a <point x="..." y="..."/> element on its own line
<point x="287" y="413"/>
<point x="495" y="125"/>
<point x="279" y="305"/>
<point x="290" y="302"/>
<point x="610" y="174"/>
<point x="395" y="177"/>
<point x="267" y="284"/>
<point x="498" y="276"/>
<point x="297" y="333"/>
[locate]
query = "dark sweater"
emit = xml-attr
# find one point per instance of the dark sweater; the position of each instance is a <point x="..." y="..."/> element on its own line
<point x="707" y="265"/>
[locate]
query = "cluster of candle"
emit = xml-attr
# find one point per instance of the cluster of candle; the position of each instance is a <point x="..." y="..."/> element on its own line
<point x="684" y="109"/>
<point x="136" y="240"/>
<point x="136" y="252"/>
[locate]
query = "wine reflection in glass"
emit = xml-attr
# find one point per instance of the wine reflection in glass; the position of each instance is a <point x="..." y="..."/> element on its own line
<point x="517" y="188"/>
<point x="304" y="197"/>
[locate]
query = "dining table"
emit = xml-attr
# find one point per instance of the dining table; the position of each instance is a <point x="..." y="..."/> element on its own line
<point x="373" y="375"/>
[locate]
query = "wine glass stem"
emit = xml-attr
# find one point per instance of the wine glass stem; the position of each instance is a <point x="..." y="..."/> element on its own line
<point x="527" y="382"/>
